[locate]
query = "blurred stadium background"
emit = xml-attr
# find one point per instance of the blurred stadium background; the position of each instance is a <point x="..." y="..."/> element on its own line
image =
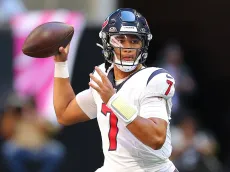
<point x="190" y="39"/>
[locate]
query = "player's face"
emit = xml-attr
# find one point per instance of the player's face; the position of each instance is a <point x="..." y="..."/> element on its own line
<point x="126" y="47"/>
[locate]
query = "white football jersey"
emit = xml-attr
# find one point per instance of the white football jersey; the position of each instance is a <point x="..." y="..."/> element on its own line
<point x="150" y="90"/>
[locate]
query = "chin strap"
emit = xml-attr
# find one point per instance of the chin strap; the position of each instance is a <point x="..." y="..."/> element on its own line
<point x="107" y="64"/>
<point x="99" y="45"/>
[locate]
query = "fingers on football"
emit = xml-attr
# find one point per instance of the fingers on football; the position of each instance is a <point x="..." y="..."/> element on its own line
<point x="65" y="50"/>
<point x="99" y="83"/>
<point x="62" y="52"/>
<point x="61" y="49"/>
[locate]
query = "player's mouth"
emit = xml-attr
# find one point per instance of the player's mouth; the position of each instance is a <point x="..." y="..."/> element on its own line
<point x="128" y="58"/>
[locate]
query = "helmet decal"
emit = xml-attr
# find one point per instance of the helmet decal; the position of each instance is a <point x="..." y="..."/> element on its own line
<point x="104" y="24"/>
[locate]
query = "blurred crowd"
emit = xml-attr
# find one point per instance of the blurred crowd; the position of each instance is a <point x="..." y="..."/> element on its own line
<point x="195" y="148"/>
<point x="27" y="138"/>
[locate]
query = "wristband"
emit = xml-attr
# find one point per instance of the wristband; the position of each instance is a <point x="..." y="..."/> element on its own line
<point x="122" y="108"/>
<point x="61" y="70"/>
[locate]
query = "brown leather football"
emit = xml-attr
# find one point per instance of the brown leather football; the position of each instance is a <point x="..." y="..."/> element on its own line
<point x="45" y="40"/>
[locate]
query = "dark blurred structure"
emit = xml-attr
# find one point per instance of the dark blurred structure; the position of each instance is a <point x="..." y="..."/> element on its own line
<point x="194" y="149"/>
<point x="6" y="72"/>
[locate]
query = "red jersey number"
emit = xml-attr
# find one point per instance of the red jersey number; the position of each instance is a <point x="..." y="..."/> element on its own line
<point x="170" y="83"/>
<point x="113" y="130"/>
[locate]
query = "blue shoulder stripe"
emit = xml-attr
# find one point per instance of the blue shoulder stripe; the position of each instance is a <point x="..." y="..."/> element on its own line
<point x="156" y="72"/>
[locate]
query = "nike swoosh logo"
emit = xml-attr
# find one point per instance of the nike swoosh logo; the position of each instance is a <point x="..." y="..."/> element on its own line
<point x="168" y="76"/>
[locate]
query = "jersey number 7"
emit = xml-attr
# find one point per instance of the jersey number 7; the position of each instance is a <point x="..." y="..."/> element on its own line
<point x="113" y="130"/>
<point x="170" y="83"/>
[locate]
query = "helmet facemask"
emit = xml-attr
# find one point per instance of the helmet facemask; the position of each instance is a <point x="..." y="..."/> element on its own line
<point x="126" y="50"/>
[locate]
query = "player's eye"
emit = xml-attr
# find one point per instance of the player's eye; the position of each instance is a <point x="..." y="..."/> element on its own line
<point x="135" y="41"/>
<point x="121" y="40"/>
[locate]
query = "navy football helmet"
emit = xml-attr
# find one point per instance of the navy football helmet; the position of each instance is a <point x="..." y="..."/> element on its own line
<point x="125" y="21"/>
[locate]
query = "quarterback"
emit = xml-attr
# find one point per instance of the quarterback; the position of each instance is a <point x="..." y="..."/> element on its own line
<point x="132" y="103"/>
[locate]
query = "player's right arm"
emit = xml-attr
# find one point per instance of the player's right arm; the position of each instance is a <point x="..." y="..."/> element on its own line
<point x="66" y="106"/>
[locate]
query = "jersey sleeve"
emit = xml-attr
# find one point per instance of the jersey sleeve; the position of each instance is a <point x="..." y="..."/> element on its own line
<point x="154" y="107"/>
<point x="86" y="102"/>
<point x="156" y="98"/>
<point x="162" y="85"/>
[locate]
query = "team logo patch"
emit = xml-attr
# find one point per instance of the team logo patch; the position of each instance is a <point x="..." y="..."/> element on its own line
<point x="168" y="76"/>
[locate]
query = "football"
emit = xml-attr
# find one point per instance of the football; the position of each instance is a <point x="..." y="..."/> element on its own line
<point x="45" y="40"/>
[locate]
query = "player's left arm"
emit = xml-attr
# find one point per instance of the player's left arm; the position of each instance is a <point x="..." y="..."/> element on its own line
<point x="150" y="126"/>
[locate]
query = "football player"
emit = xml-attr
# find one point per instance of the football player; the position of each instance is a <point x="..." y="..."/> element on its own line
<point x="132" y="103"/>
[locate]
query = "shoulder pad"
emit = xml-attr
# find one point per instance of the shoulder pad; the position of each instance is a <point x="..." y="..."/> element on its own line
<point x="161" y="84"/>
